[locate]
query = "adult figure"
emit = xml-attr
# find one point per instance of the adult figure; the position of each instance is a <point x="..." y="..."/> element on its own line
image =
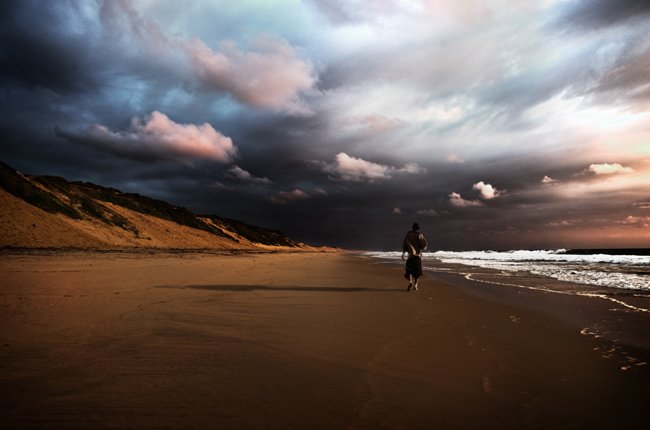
<point x="414" y="243"/>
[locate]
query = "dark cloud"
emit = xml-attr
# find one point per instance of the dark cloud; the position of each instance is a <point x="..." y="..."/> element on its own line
<point x="402" y="106"/>
<point x="36" y="53"/>
<point x="595" y="14"/>
<point x="353" y="11"/>
<point x="628" y="77"/>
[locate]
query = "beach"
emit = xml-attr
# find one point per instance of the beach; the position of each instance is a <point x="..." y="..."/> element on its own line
<point x="305" y="340"/>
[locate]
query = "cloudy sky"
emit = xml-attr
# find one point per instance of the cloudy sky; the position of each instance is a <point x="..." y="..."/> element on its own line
<point x="500" y="124"/>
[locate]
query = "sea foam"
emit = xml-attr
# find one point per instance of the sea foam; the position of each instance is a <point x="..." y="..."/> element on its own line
<point x="631" y="272"/>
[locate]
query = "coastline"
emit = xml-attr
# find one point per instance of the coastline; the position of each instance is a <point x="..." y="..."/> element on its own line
<point x="619" y="318"/>
<point x="621" y="322"/>
<point x="300" y="340"/>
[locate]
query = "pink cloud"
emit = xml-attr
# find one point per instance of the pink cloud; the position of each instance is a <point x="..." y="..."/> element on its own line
<point x="273" y="76"/>
<point x="379" y="123"/>
<point x="457" y="200"/>
<point x="453" y="158"/>
<point x="158" y="137"/>
<point x="285" y="197"/>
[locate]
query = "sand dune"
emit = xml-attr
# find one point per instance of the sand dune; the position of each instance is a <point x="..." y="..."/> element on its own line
<point x="24" y="225"/>
<point x="50" y="212"/>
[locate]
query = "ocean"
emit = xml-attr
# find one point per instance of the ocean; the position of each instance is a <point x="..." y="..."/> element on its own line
<point x="620" y="276"/>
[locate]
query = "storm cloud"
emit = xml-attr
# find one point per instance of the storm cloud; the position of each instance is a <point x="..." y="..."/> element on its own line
<point x="493" y="124"/>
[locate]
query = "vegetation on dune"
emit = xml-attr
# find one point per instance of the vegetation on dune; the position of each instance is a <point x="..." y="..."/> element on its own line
<point x="20" y="186"/>
<point x="146" y="205"/>
<point x="254" y="234"/>
<point x="83" y="204"/>
<point x="79" y="200"/>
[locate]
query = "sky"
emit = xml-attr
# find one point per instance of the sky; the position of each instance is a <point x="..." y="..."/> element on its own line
<point x="508" y="124"/>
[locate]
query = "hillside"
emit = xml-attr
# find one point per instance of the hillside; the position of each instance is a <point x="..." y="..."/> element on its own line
<point x="51" y="212"/>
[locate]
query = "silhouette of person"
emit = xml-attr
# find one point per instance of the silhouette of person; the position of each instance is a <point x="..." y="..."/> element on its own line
<point x="414" y="243"/>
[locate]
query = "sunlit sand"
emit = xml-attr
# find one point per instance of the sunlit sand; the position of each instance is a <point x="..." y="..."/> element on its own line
<point x="301" y="340"/>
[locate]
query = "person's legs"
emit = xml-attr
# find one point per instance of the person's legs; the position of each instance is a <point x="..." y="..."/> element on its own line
<point x="413" y="270"/>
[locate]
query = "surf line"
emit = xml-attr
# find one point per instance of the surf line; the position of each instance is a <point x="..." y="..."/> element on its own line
<point x="469" y="277"/>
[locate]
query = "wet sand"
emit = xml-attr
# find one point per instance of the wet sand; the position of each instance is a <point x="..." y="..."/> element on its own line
<point x="295" y="341"/>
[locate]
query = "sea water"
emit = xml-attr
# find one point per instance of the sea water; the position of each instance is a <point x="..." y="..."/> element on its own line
<point x="619" y="277"/>
<point x="624" y="271"/>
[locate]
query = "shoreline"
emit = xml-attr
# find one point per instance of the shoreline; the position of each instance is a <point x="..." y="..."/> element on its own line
<point x="289" y="340"/>
<point x="594" y="311"/>
<point x="591" y="315"/>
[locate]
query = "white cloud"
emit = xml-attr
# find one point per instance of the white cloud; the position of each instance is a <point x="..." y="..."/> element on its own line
<point x="158" y="137"/>
<point x="356" y="169"/>
<point x="246" y="176"/>
<point x="285" y="197"/>
<point x="349" y="168"/>
<point x="641" y="222"/>
<point x="412" y="168"/>
<point x="457" y="200"/>
<point x="426" y="212"/>
<point x="488" y="192"/>
<point x="562" y="223"/>
<point x="548" y="180"/>
<point x="608" y="169"/>
<point x="273" y="76"/>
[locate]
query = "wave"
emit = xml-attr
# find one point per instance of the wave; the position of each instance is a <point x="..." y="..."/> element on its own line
<point x="558" y="255"/>
<point x="629" y="272"/>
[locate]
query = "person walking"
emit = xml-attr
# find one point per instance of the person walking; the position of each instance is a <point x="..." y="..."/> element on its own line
<point x="414" y="243"/>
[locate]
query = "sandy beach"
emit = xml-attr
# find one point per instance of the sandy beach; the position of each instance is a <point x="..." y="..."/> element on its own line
<point x="293" y="341"/>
